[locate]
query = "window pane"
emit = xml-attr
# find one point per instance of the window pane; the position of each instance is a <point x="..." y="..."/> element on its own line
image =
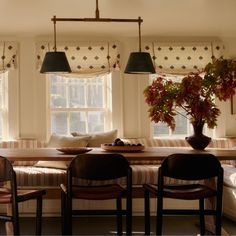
<point x="78" y="122"/>
<point x="95" y="121"/>
<point x="77" y="92"/>
<point x="160" y="129"/>
<point x="78" y="104"/>
<point x="181" y="125"/>
<point x="58" y="95"/>
<point x="59" y="122"/>
<point x="95" y="93"/>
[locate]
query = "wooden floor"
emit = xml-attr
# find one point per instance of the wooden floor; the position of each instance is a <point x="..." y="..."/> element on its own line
<point x="181" y="225"/>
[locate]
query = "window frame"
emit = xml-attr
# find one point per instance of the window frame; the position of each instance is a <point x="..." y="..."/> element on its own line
<point x="107" y="101"/>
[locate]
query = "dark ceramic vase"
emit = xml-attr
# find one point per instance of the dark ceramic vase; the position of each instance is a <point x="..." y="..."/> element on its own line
<point x="198" y="140"/>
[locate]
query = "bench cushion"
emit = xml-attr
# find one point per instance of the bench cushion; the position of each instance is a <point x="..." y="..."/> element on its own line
<point x="28" y="176"/>
<point x="229" y="175"/>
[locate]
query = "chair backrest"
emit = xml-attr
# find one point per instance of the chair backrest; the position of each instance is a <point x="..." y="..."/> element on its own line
<point x="7" y="174"/>
<point x="6" y="170"/>
<point x="191" y="166"/>
<point x="99" y="166"/>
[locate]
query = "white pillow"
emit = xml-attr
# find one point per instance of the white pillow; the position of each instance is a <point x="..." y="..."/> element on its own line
<point x="53" y="164"/>
<point x="98" y="138"/>
<point x="57" y="141"/>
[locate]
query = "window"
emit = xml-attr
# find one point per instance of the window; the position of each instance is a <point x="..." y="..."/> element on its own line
<point x="183" y="126"/>
<point x="3" y="104"/>
<point x="80" y="104"/>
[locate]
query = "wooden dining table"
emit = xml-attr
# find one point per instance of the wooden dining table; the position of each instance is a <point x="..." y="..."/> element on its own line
<point x="148" y="154"/>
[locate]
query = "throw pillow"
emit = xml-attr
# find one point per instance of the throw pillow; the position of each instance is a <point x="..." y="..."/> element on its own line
<point x="98" y="138"/>
<point x="66" y="141"/>
<point x="57" y="141"/>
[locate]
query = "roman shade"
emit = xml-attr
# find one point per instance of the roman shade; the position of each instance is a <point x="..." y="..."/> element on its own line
<point x="84" y="58"/>
<point x="8" y="52"/>
<point x="182" y="57"/>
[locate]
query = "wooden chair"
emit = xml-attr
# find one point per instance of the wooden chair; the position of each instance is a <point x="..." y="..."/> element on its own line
<point x="189" y="167"/>
<point x="9" y="194"/>
<point x="97" y="167"/>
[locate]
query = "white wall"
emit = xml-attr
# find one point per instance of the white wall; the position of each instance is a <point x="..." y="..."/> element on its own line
<point x="133" y="110"/>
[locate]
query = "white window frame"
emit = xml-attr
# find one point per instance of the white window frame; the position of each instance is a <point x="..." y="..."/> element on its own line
<point x="107" y="109"/>
<point x="4" y="104"/>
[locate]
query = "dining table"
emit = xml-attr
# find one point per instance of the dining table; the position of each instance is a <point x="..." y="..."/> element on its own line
<point x="148" y="154"/>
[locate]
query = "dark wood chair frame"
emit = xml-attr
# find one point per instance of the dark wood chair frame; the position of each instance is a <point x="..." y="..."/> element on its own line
<point x="11" y="195"/>
<point x="97" y="167"/>
<point x="188" y="167"/>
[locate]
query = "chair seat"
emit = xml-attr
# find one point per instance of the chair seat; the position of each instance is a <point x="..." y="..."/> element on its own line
<point x="98" y="192"/>
<point x="22" y="195"/>
<point x="184" y="192"/>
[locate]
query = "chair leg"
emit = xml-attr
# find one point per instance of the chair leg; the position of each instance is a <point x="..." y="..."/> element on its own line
<point x="63" y="210"/>
<point x="159" y="215"/>
<point x="218" y="216"/>
<point x="15" y="219"/>
<point x="201" y="216"/>
<point x="119" y="215"/>
<point x="147" y="211"/>
<point x="129" y="216"/>
<point x="68" y="216"/>
<point x="39" y="215"/>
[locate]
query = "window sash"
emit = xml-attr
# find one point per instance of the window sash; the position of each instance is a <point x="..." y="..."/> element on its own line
<point x="86" y="112"/>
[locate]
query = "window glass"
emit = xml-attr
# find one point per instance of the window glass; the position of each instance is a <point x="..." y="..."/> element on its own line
<point x="79" y="104"/>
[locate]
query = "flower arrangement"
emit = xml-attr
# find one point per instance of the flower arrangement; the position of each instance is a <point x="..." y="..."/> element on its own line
<point x="195" y="94"/>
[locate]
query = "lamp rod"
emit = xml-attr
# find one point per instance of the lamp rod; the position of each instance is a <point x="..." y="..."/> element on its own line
<point x="97" y="10"/>
<point x="139" y="20"/>
<point x="54" y="27"/>
<point x="139" y="34"/>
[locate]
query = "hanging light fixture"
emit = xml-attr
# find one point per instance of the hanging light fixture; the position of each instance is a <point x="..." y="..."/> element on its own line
<point x="55" y="62"/>
<point x="138" y="63"/>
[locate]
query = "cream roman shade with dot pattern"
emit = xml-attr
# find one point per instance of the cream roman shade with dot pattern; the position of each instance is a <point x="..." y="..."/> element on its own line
<point x="182" y="58"/>
<point x="8" y="54"/>
<point x="84" y="58"/>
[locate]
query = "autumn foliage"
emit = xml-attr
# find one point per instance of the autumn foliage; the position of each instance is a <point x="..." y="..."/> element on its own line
<point x="195" y="94"/>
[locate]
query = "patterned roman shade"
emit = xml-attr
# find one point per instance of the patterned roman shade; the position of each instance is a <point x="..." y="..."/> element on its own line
<point x="182" y="58"/>
<point x="84" y="58"/>
<point x="8" y="52"/>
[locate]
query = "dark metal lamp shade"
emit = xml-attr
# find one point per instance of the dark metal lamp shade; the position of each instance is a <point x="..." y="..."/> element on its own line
<point x="55" y="62"/>
<point x="140" y="63"/>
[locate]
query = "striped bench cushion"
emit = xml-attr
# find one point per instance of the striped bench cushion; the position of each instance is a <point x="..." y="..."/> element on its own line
<point x="41" y="177"/>
<point x="229" y="176"/>
<point x="28" y="176"/>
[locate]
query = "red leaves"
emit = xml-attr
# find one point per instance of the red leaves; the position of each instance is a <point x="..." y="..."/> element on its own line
<point x="195" y="94"/>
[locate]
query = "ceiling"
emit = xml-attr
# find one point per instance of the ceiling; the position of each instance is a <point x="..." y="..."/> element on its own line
<point x="166" y="18"/>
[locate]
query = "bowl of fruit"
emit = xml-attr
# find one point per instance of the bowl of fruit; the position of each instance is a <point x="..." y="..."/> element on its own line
<point x="120" y="146"/>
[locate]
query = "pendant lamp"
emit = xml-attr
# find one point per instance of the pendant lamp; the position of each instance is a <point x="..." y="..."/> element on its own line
<point x="139" y="62"/>
<point x="55" y="62"/>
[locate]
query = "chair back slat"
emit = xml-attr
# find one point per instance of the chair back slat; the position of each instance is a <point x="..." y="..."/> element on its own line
<point x="99" y="167"/>
<point x="6" y="170"/>
<point x="190" y="166"/>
